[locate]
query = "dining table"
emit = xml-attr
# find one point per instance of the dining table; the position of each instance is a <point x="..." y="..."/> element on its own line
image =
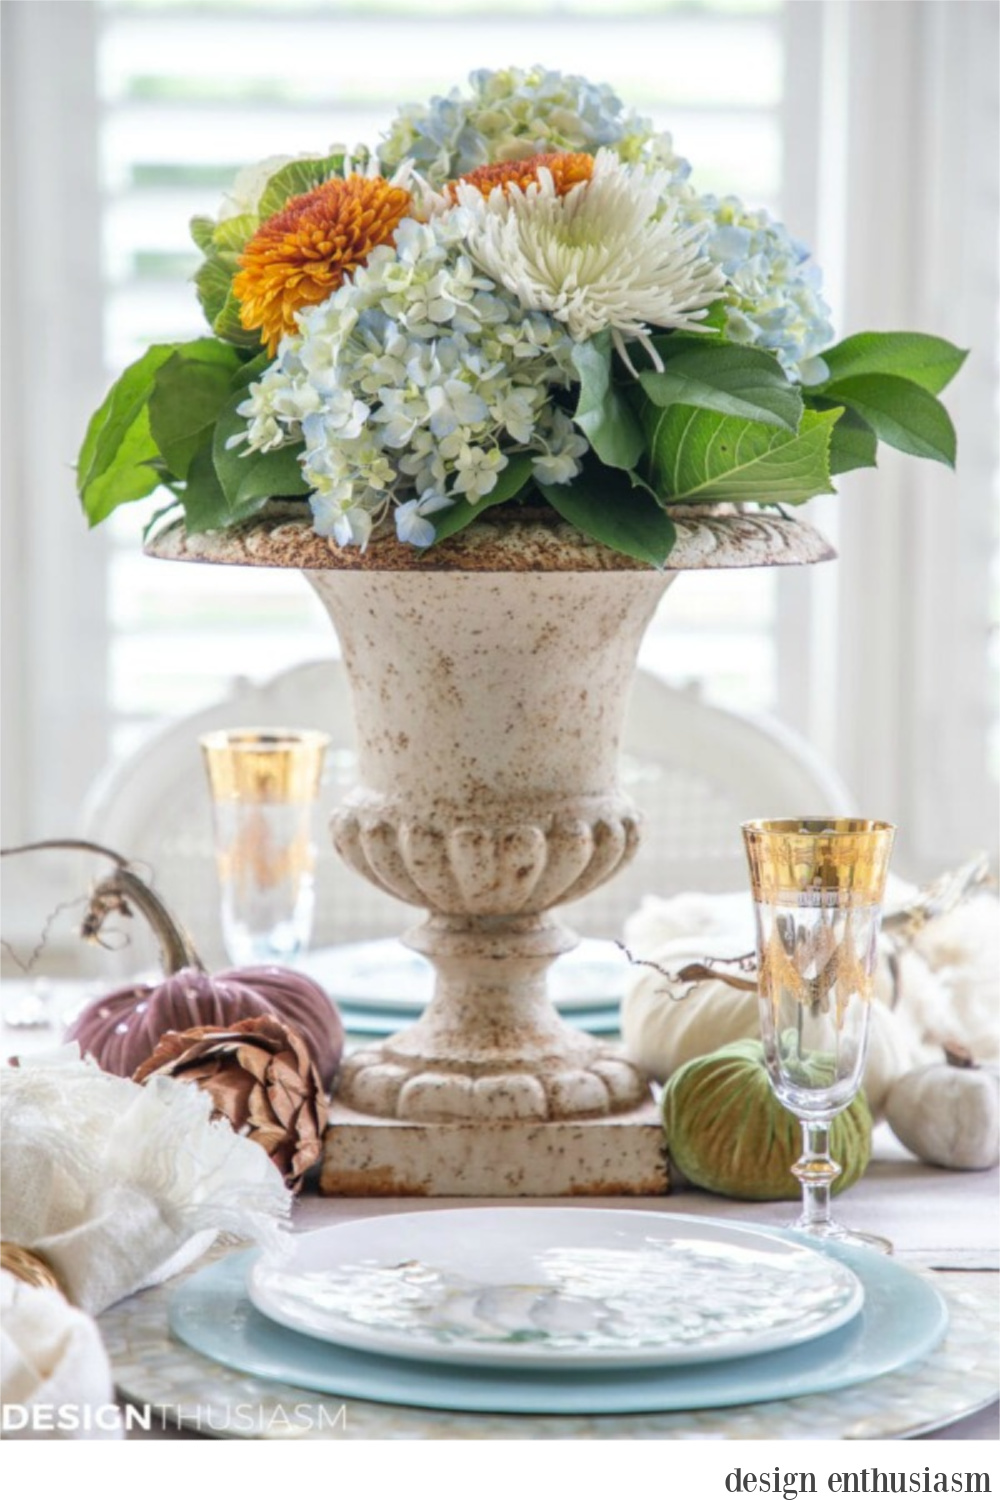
<point x="944" y="1225"/>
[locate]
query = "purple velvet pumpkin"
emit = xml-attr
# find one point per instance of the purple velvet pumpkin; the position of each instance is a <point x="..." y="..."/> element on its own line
<point x="121" y="1030"/>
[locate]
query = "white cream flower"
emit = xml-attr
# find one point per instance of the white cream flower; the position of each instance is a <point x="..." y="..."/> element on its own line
<point x="610" y="253"/>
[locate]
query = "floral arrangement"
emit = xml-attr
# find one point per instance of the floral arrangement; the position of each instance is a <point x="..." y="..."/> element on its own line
<point x="519" y="295"/>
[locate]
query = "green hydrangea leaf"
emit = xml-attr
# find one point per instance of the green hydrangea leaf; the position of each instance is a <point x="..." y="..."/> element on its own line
<point x="113" y="465"/>
<point x="116" y="414"/>
<point x="186" y="399"/>
<point x="604" y="505"/>
<point x="205" y="505"/>
<point x="928" y="361"/>
<point x="132" y="476"/>
<point x="509" y="485"/>
<point x="251" y="370"/>
<point x="249" y="477"/>
<point x="726" y="378"/>
<point x="702" y="457"/>
<point x="602" y="414"/>
<point x="853" y="444"/>
<point x="900" y="412"/>
<point x="297" y="177"/>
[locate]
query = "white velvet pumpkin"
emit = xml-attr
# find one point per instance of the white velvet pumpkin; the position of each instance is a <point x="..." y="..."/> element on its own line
<point x="948" y="1116"/>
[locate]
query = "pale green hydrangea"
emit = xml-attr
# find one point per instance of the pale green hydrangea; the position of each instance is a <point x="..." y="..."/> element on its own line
<point x="515" y="112"/>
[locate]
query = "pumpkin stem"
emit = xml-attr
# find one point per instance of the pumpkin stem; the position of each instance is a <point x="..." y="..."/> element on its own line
<point x="115" y="893"/>
<point x="957" y="1055"/>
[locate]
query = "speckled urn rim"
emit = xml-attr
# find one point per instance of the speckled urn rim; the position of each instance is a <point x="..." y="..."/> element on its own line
<point x="537" y="541"/>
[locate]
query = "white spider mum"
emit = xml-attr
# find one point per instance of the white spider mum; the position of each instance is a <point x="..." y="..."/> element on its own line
<point x="608" y="254"/>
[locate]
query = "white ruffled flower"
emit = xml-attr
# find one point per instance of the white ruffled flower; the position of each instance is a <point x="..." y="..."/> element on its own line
<point x="610" y="253"/>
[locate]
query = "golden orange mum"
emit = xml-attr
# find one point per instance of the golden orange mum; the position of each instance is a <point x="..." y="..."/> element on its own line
<point x="302" y="254"/>
<point x="567" y="169"/>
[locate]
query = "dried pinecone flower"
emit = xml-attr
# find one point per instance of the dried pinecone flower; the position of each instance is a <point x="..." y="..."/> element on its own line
<point x="260" y="1077"/>
<point x="301" y="255"/>
<point x="566" y="168"/>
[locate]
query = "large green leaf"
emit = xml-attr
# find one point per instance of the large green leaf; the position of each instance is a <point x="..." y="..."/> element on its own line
<point x="900" y="412"/>
<point x="186" y="399"/>
<point x="853" y="444"/>
<point x="133" y="475"/>
<point x="701" y="456"/>
<point x="251" y="370"/>
<point x="725" y="378"/>
<point x="510" y="483"/>
<point x="114" y="417"/>
<point x="297" y="177"/>
<point x="112" y="468"/>
<point x="927" y="361"/>
<point x="602" y="413"/>
<point x="603" y="504"/>
<point x="247" y="478"/>
<point x="205" y="505"/>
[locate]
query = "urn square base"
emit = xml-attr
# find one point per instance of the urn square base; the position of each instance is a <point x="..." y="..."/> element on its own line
<point x="365" y="1157"/>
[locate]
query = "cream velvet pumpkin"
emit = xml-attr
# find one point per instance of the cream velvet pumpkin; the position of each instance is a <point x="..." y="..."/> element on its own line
<point x="664" y="1027"/>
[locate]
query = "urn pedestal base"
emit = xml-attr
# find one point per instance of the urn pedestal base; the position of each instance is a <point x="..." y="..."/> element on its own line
<point x="612" y="1155"/>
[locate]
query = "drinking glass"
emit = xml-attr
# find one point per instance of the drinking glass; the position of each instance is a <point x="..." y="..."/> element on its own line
<point x="264" y="784"/>
<point x="818" y="885"/>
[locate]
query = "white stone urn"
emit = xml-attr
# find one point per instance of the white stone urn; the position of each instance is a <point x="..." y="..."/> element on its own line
<point x="490" y="678"/>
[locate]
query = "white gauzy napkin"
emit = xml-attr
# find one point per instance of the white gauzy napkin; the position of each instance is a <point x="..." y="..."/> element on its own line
<point x="56" y="1380"/>
<point x="119" y="1184"/>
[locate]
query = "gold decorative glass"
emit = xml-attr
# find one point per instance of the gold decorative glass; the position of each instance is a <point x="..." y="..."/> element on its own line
<point x="264" y="784"/>
<point x="818" y="885"/>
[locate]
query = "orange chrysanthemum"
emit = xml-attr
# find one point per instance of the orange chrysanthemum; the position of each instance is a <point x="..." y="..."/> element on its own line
<point x="566" y="167"/>
<point x="302" y="254"/>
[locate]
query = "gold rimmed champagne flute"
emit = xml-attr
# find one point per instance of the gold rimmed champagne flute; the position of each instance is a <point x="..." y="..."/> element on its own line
<point x="264" y="784"/>
<point x="818" y="885"/>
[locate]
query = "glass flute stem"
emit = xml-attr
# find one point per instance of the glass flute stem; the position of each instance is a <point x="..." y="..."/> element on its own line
<point x="816" y="1171"/>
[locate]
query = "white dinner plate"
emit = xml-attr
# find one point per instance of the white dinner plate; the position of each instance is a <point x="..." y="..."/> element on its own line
<point x="386" y="975"/>
<point x="560" y="1288"/>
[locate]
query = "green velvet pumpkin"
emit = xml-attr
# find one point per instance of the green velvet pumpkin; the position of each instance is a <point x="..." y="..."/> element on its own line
<point x="726" y="1131"/>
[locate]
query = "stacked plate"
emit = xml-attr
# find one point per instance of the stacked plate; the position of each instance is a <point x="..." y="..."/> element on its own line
<point x="559" y="1311"/>
<point x="381" y="987"/>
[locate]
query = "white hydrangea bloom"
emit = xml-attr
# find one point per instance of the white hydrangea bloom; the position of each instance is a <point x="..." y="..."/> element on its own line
<point x="610" y="253"/>
<point x="413" y="385"/>
<point x="275" y="400"/>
